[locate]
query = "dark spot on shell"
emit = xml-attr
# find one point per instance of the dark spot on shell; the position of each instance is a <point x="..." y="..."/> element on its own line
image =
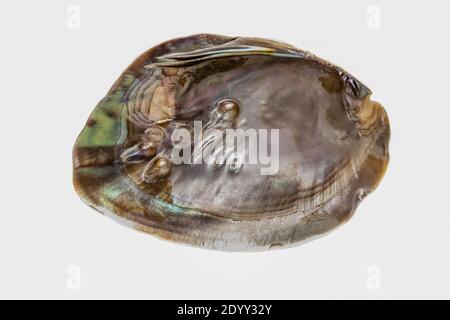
<point x="110" y="114"/>
<point x="182" y="80"/>
<point x="275" y="245"/>
<point x="91" y="122"/>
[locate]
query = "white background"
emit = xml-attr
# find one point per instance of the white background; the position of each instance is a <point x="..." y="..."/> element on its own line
<point x="51" y="78"/>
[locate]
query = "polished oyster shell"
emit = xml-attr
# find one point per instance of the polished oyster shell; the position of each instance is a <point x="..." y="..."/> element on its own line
<point x="332" y="147"/>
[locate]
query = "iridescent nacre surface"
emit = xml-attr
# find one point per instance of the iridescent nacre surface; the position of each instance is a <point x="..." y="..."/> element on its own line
<point x="332" y="146"/>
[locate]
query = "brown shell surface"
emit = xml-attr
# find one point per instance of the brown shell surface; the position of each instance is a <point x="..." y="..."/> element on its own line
<point x="331" y="151"/>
